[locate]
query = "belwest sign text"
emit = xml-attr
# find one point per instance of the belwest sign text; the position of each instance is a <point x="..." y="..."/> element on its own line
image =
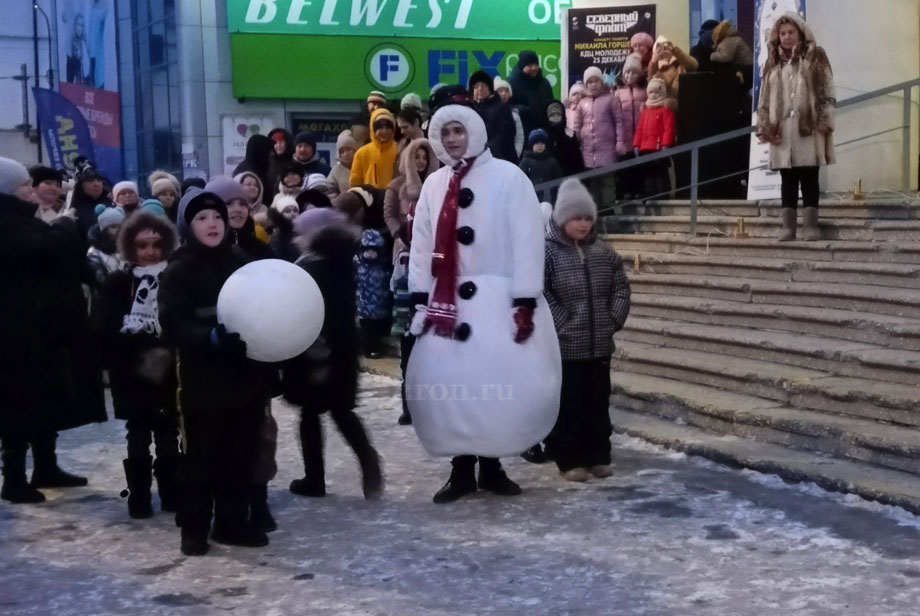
<point x="467" y="19"/>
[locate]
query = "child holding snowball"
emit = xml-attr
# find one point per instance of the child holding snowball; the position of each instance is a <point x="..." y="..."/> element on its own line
<point x="222" y="393"/>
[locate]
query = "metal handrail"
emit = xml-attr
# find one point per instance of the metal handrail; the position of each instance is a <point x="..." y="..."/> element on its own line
<point x="545" y="189"/>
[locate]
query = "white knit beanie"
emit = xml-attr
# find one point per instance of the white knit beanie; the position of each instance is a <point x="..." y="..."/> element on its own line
<point x="634" y="62"/>
<point x="124" y="185"/>
<point x="593" y="71"/>
<point x="573" y="201"/>
<point x="501" y="83"/>
<point x="282" y="202"/>
<point x="161" y="181"/>
<point x="411" y="100"/>
<point x="12" y="175"/>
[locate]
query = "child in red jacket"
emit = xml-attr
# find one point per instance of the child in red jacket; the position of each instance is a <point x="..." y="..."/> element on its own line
<point x="654" y="133"/>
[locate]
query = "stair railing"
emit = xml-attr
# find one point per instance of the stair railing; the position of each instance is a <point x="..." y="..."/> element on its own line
<point x="545" y="190"/>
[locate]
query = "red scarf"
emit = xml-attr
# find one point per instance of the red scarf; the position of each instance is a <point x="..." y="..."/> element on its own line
<point x="445" y="263"/>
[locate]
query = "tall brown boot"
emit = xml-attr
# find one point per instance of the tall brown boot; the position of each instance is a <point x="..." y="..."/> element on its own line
<point x="810" y="231"/>
<point x="789" y="220"/>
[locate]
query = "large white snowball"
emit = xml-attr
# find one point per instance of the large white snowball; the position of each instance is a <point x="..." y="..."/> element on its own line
<point x="275" y="306"/>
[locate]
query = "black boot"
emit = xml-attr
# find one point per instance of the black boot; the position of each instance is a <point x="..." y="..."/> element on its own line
<point x="194" y="541"/>
<point x="15" y="487"/>
<point x="194" y="517"/>
<point x="231" y="522"/>
<point x="371" y="476"/>
<point x="47" y="474"/>
<point x="260" y="516"/>
<point x="349" y="424"/>
<point x="492" y="477"/>
<point x="534" y="455"/>
<point x="405" y="419"/>
<point x="166" y="470"/>
<point x="138" y="475"/>
<point x="462" y="480"/>
<point x="311" y="445"/>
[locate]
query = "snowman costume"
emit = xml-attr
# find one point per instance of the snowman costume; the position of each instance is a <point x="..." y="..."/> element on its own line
<point x="475" y="385"/>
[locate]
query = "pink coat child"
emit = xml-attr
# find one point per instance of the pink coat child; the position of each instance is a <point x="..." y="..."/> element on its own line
<point x="595" y="123"/>
<point x="628" y="100"/>
<point x="576" y="93"/>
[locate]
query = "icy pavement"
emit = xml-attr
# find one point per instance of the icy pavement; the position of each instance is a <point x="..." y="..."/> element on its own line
<point x="666" y="535"/>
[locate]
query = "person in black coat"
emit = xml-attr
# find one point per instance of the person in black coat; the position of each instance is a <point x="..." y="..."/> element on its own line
<point x="282" y="154"/>
<point x="89" y="191"/>
<point x="49" y="379"/>
<point x="702" y="51"/>
<point x="141" y="366"/>
<point x="325" y="377"/>
<point x="258" y="161"/>
<point x="222" y="393"/>
<point x="497" y="115"/>
<point x="563" y="144"/>
<point x="531" y="90"/>
<point x="538" y="163"/>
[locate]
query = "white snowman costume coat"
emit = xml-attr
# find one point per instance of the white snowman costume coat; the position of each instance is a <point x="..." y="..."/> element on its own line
<point x="486" y="395"/>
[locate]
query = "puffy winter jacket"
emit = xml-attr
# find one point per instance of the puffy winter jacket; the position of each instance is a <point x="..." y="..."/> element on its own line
<point x="655" y="130"/>
<point x="595" y="125"/>
<point x="627" y="107"/>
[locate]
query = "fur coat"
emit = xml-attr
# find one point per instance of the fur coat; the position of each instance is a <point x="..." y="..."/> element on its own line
<point x="403" y="192"/>
<point x="795" y="113"/>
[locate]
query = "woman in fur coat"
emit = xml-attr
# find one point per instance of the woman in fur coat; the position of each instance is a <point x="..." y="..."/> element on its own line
<point x="141" y="366"/>
<point x="795" y="115"/>
<point x="668" y="63"/>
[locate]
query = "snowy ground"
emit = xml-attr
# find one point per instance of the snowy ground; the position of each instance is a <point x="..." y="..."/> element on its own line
<point x="666" y="535"/>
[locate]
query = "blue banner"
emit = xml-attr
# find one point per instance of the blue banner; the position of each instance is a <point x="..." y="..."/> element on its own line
<point x="64" y="129"/>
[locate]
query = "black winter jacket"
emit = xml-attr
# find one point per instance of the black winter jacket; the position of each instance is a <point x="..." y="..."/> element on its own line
<point x="587" y="292"/>
<point x="245" y="239"/>
<point x="210" y="380"/>
<point x="500" y="127"/>
<point x="277" y="163"/>
<point x="325" y="377"/>
<point x="564" y="147"/>
<point x="49" y="374"/>
<point x="540" y="167"/>
<point x="533" y="94"/>
<point x="128" y="357"/>
<point x="282" y="237"/>
<point x="257" y="160"/>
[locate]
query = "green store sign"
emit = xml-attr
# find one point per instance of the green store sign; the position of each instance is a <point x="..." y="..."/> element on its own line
<point x="458" y="19"/>
<point x="338" y="67"/>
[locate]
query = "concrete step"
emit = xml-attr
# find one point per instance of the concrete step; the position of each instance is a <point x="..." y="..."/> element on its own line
<point x="884" y="209"/>
<point x="881" y="330"/>
<point x="788" y="385"/>
<point x="848" y="229"/>
<point x="871" y="482"/>
<point x="765" y="420"/>
<point x="840" y="357"/>
<point x="904" y="276"/>
<point x="907" y="252"/>
<point x="860" y="298"/>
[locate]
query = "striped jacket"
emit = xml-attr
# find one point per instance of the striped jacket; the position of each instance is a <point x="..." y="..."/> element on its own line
<point x="588" y="295"/>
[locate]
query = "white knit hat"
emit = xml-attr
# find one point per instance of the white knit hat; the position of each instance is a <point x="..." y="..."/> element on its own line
<point x="282" y="202"/>
<point x="124" y="185"/>
<point x="411" y="100"/>
<point x="593" y="71"/>
<point x="501" y="83"/>
<point x="634" y="62"/>
<point x="573" y="201"/>
<point x="12" y="175"/>
<point x="111" y="216"/>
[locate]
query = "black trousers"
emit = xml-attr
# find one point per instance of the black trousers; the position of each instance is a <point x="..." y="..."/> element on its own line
<point x="311" y="440"/>
<point x="656" y="179"/>
<point x="807" y="178"/>
<point x="153" y="427"/>
<point x="466" y="465"/>
<point x="43" y="445"/>
<point x="220" y="449"/>
<point x="406" y="344"/>
<point x="581" y="436"/>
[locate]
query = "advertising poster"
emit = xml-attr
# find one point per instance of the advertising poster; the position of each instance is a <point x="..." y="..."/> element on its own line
<point x="763" y="183"/>
<point x="236" y="131"/>
<point x="89" y="75"/>
<point x="64" y="129"/>
<point x="600" y="37"/>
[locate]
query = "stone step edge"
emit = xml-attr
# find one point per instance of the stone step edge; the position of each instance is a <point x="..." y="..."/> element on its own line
<point x="771" y="221"/>
<point x="886" y="486"/>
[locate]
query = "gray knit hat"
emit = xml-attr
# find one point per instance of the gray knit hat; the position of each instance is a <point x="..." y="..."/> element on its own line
<point x="13" y="174"/>
<point x="111" y="216"/>
<point x="573" y="201"/>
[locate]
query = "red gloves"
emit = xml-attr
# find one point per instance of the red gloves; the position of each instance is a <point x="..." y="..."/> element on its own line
<point x="523" y="323"/>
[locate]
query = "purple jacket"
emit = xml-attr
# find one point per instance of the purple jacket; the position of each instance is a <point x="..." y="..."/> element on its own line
<point x="596" y="128"/>
<point x="627" y="107"/>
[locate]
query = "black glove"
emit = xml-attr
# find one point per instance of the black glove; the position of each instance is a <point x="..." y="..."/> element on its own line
<point x="227" y="342"/>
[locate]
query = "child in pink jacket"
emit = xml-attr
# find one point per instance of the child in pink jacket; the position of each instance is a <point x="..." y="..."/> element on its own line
<point x="628" y="101"/>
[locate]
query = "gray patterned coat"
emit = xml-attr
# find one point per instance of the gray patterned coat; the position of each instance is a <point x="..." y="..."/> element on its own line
<point x="588" y="294"/>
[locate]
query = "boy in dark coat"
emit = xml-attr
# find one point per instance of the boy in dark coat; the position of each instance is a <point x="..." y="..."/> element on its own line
<point x="222" y="393"/>
<point x="325" y="377"/>
<point x="563" y="143"/>
<point x="141" y="366"/>
<point x="588" y="294"/>
<point x="497" y="115"/>
<point x="537" y="162"/>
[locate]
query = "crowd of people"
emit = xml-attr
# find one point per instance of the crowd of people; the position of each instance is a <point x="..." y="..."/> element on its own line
<point x="99" y="283"/>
